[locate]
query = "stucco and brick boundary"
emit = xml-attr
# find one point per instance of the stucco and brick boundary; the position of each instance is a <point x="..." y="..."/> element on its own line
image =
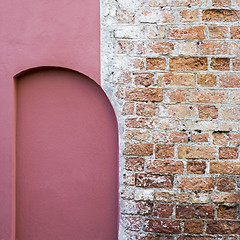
<point x="171" y="70"/>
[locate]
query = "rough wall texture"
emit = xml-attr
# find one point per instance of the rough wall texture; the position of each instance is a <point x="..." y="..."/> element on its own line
<point x="171" y="69"/>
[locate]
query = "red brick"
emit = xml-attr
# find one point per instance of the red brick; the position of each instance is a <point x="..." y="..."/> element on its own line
<point x="189" y="15"/>
<point x="228" y="152"/>
<point x="220" y="139"/>
<point x="234" y="138"/>
<point x="207" y="80"/>
<point x="145" y="109"/>
<point x="223" y="227"/>
<point x="129" y="178"/>
<point x="144" y="94"/>
<point x="137" y="207"/>
<point x="204" y="152"/>
<point x="187" y="32"/>
<point x="140" y="122"/>
<point x="135" y="164"/>
<point x="207" y="112"/>
<point x="218" y="32"/>
<point x="160" y="47"/>
<point x="171" y="196"/>
<point x="219" y="48"/>
<point x="230" y="80"/>
<point x="220" y="15"/>
<point x="164" y="151"/>
<point x="220" y="64"/>
<point x="225" y="167"/>
<point x="226" y="184"/>
<point x="196" y="183"/>
<point x="235" y="32"/>
<point x="164" y="166"/>
<point x="227" y="212"/>
<point x="161" y="226"/>
<point x="194" y="212"/>
<point x="155" y="63"/>
<point x="196" y="167"/>
<point x="163" y="210"/>
<point x="200" y="137"/>
<point x="197" y="238"/>
<point x="223" y="197"/>
<point x="144" y="79"/>
<point x="195" y="227"/>
<point x="207" y="96"/>
<point x="177" y="79"/>
<point x="139" y="149"/>
<point x="176" y="95"/>
<point x="154" y="181"/>
<point x="188" y="63"/>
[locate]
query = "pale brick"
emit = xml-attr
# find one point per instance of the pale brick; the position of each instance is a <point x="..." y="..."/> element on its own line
<point x="229" y="167"/>
<point x="189" y="15"/>
<point x="219" y="48"/>
<point x="177" y="79"/>
<point x="192" y="152"/>
<point x="187" y="32"/>
<point x="188" y="48"/>
<point x="207" y="96"/>
<point x="230" y="80"/>
<point x="173" y="196"/>
<point x="160" y="47"/>
<point x="225" y="197"/>
<point x="231" y="113"/>
<point x="175" y="95"/>
<point x="154" y="31"/>
<point x="218" y="32"/>
<point x="236" y="64"/>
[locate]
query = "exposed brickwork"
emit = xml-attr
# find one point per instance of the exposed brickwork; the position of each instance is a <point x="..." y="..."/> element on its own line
<point x="173" y="75"/>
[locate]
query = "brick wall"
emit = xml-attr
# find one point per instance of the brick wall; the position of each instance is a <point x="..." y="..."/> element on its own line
<point x="171" y="69"/>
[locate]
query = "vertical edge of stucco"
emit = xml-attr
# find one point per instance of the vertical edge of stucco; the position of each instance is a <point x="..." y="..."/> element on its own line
<point x="108" y="24"/>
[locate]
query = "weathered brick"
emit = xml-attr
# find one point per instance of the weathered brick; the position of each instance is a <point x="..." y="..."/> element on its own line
<point x="154" y="31"/>
<point x="124" y="16"/>
<point x="195" y="227"/>
<point x="176" y="95"/>
<point x="137" y="134"/>
<point x="218" y="32"/>
<point x="188" y="63"/>
<point x="164" y="151"/>
<point x="185" y="2"/>
<point x="144" y="79"/>
<point x="207" y="80"/>
<point x="163" y="210"/>
<point x="156" y="16"/>
<point x="197" y="238"/>
<point x="235" y="32"/>
<point x="161" y="226"/>
<point x="130" y="32"/>
<point x="137" y="207"/>
<point x="226" y="184"/>
<point x="219" y="48"/>
<point x="144" y="194"/>
<point x="188" y="48"/>
<point x="204" y="152"/>
<point x="189" y="15"/>
<point x="207" y="96"/>
<point x="187" y="32"/>
<point x="170" y="137"/>
<point x="230" y="80"/>
<point x="157" y="3"/>
<point x="135" y="164"/>
<point x="227" y="212"/>
<point x="207" y="112"/>
<point x="200" y="137"/>
<point x="128" y="108"/>
<point x="220" y="139"/>
<point x="236" y="64"/>
<point x="225" y="197"/>
<point x="220" y="64"/>
<point x="194" y="212"/>
<point x="171" y="196"/>
<point x="223" y="227"/>
<point x="125" y="46"/>
<point x="132" y="222"/>
<point x="228" y="167"/>
<point x="164" y="166"/>
<point x="234" y="138"/>
<point x="154" y="181"/>
<point x="221" y="3"/>
<point x="231" y="113"/>
<point x="196" y="183"/>
<point x="160" y="47"/>
<point x="199" y="197"/>
<point x="228" y="152"/>
<point x="139" y="149"/>
<point x="178" y="79"/>
<point x="141" y="123"/>
<point x="129" y="178"/>
<point x="196" y="167"/>
<point x="155" y="63"/>
<point x="145" y="109"/>
<point x="220" y="15"/>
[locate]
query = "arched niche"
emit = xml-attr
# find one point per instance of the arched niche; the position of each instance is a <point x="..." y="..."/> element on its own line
<point x="66" y="157"/>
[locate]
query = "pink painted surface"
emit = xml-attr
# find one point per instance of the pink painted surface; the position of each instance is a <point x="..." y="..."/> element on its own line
<point x="32" y="34"/>
<point x="67" y="151"/>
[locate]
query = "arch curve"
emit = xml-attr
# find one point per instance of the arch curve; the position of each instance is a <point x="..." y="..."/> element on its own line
<point x="66" y="157"/>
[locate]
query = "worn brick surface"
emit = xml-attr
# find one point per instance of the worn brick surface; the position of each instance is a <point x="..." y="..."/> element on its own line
<point x="172" y="71"/>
